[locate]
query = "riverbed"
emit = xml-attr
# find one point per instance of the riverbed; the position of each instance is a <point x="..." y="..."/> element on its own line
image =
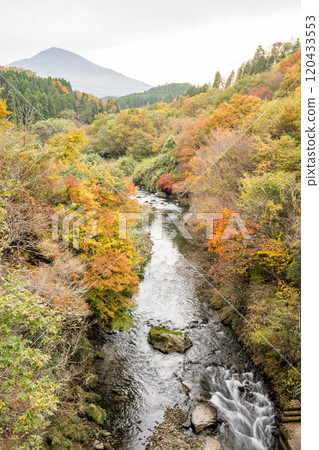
<point x="138" y="383"/>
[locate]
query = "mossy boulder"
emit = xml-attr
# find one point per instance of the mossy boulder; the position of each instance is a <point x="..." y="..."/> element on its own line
<point x="99" y="355"/>
<point x="168" y="341"/>
<point x="225" y="314"/>
<point x="105" y="433"/>
<point x="91" y="380"/>
<point x="95" y="413"/>
<point x="85" y="351"/>
<point x="92" y="397"/>
<point x="58" y="441"/>
<point x="76" y="432"/>
<point x="120" y="398"/>
<point x="76" y="393"/>
<point x="66" y="429"/>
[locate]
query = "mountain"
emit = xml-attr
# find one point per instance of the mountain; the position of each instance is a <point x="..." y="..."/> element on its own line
<point x="83" y="75"/>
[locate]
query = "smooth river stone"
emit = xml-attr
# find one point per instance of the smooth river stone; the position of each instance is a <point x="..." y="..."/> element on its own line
<point x="212" y="444"/>
<point x="204" y="415"/>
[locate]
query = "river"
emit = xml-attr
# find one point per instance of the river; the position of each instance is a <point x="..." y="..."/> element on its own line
<point x="138" y="383"/>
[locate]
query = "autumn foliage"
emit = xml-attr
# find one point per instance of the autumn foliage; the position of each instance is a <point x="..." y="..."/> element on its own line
<point x="244" y="158"/>
<point x="53" y="281"/>
<point x="231" y="148"/>
<point x="166" y="183"/>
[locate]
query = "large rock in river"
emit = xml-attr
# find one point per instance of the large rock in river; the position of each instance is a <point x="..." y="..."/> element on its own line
<point x="161" y="194"/>
<point x="168" y="341"/>
<point x="203" y="416"/>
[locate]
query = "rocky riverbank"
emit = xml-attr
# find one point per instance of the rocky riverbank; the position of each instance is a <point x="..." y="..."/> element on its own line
<point x="175" y="431"/>
<point x="171" y="433"/>
<point x="79" y="422"/>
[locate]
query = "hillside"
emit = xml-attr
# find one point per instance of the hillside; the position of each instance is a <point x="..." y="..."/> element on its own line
<point x="30" y="98"/>
<point x="165" y="93"/>
<point x="83" y="75"/>
<point x="47" y="284"/>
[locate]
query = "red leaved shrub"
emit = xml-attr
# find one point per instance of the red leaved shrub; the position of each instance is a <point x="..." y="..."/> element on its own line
<point x="166" y="182"/>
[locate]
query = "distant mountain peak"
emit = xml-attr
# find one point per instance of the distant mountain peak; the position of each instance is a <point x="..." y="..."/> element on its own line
<point x="83" y="74"/>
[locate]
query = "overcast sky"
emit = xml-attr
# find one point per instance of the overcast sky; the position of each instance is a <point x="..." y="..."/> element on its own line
<point x="155" y="41"/>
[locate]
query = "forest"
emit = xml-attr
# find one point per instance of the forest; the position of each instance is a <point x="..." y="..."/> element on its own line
<point x="30" y="98"/>
<point x="232" y="145"/>
<point x="165" y="93"/>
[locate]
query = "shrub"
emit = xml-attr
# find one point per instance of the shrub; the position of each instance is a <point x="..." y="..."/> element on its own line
<point x="27" y="395"/>
<point x="148" y="171"/>
<point x="166" y="182"/>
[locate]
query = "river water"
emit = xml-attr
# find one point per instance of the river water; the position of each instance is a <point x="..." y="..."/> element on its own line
<point x="138" y="383"/>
